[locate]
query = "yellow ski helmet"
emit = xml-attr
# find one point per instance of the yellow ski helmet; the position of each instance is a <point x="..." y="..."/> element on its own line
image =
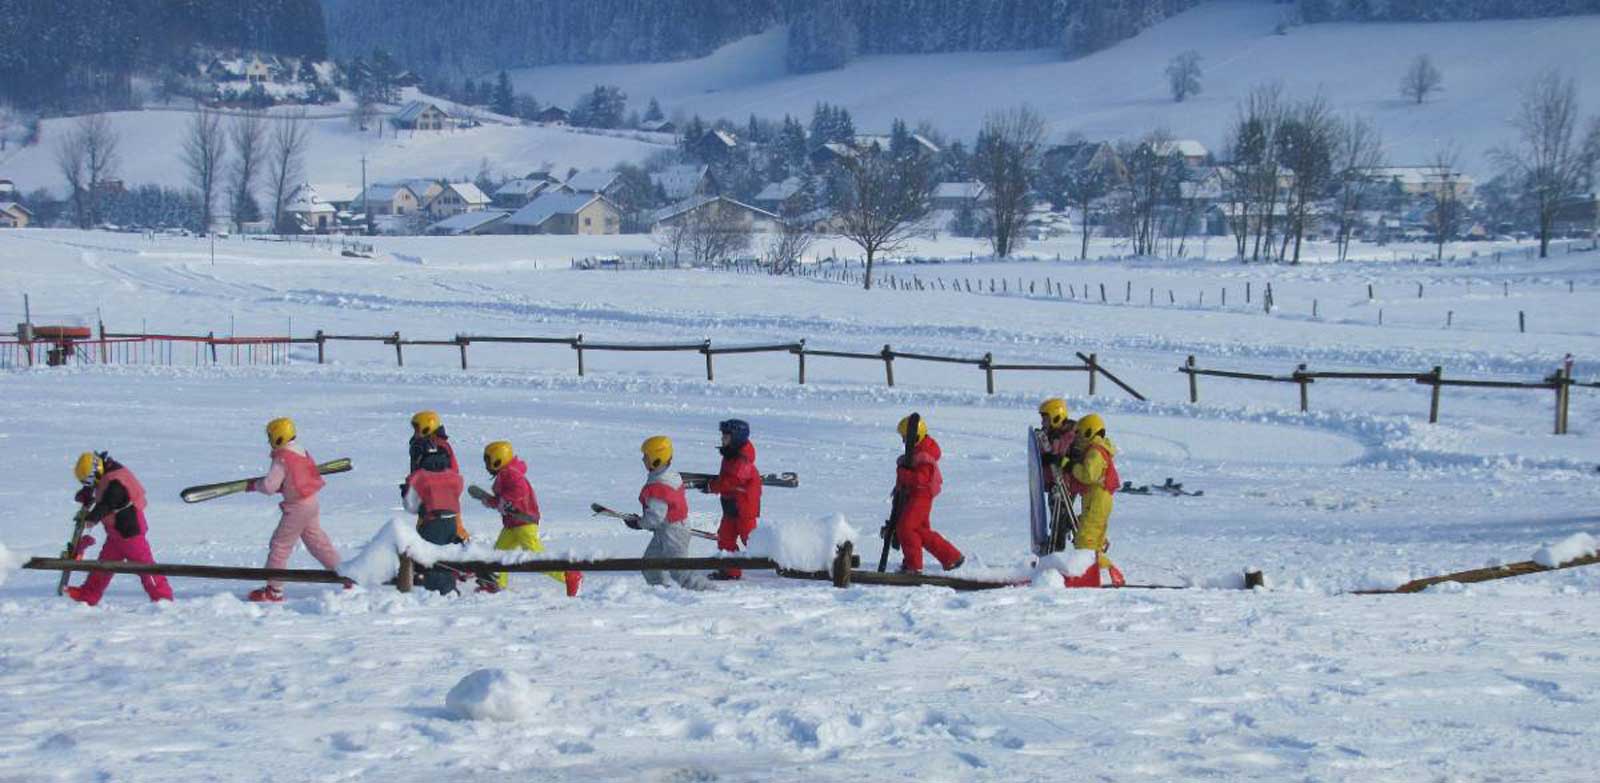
<point x="922" y="428"/>
<point x="280" y="431"/>
<point x="497" y="455"/>
<point x="1091" y="426"/>
<point x="88" y="468"/>
<point x="424" y="423"/>
<point x="1054" y="411"/>
<point x="657" y="451"/>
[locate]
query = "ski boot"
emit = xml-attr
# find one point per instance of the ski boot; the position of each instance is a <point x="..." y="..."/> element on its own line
<point x="574" y="579"/>
<point x="77" y="594"/>
<point x="266" y="595"/>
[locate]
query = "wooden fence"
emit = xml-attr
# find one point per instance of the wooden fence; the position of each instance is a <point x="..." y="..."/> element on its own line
<point x="1560" y="383"/>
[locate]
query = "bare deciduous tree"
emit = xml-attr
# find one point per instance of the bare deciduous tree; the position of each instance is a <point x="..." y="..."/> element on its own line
<point x="1155" y="170"/>
<point x="285" y="157"/>
<point x="1549" y="161"/>
<point x="87" y="156"/>
<point x="1006" y="154"/>
<point x="885" y="201"/>
<point x="1421" y="80"/>
<point x="717" y="234"/>
<point x="1306" y="148"/>
<point x="1183" y="75"/>
<point x="1357" y="154"/>
<point x="787" y="247"/>
<point x="203" y="149"/>
<point x="1445" y="219"/>
<point x="1253" y="174"/>
<point x="248" y="136"/>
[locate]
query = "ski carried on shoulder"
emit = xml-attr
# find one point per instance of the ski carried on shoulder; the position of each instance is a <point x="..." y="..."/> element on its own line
<point x="204" y="492"/>
<point x="786" y="479"/>
<point x="1169" y="488"/>
<point x="480" y="494"/>
<point x="75" y="545"/>
<point x="890" y="530"/>
<point x="602" y="511"/>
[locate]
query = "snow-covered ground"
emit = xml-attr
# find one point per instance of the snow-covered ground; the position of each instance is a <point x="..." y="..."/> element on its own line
<point x="1121" y="92"/>
<point x="779" y="680"/>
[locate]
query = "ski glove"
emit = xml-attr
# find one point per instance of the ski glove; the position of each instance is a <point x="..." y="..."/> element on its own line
<point x="632" y="520"/>
<point x="84" y="495"/>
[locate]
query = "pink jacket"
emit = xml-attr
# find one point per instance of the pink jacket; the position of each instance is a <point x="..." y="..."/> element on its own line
<point x="293" y="473"/>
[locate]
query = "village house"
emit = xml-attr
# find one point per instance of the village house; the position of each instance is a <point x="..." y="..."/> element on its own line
<point x="422" y="116"/>
<point x="484" y="221"/>
<point x="714" y="145"/>
<point x="682" y="181"/>
<point x="714" y="210"/>
<point x="658" y="126"/>
<point x="1194" y="153"/>
<point x="515" y="194"/>
<point x="551" y="115"/>
<point x="953" y="196"/>
<point x="388" y="199"/>
<point x="309" y="213"/>
<point x="595" y="181"/>
<point x="1417" y="181"/>
<point x="14" y="215"/>
<point x="455" y="198"/>
<point x="565" y="213"/>
<point x="781" y="198"/>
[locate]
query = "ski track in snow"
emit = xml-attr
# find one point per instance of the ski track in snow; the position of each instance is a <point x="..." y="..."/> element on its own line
<point x="784" y="680"/>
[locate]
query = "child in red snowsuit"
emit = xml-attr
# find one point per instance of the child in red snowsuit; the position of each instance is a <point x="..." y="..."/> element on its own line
<point x="918" y="480"/>
<point x="739" y="484"/>
<point x="294" y="474"/>
<point x="117" y="502"/>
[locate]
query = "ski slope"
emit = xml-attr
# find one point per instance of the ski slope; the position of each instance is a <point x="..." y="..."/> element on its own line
<point x="1121" y="92"/>
<point x="780" y="680"/>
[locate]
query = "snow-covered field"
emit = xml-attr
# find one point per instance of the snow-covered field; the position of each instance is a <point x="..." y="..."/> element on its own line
<point x="780" y="680"/>
<point x="1121" y="92"/>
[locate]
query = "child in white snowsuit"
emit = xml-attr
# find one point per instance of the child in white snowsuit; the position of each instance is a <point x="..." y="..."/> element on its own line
<point x="665" y="508"/>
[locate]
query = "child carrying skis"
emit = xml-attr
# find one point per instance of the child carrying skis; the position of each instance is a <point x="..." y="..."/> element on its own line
<point x="1093" y="476"/>
<point x="918" y="481"/>
<point x="294" y="474"/>
<point x="665" y="509"/>
<point x="513" y="497"/>
<point x="115" y="500"/>
<point x="739" y="484"/>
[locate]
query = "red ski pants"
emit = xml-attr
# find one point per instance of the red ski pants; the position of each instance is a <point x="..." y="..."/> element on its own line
<point x="133" y="550"/>
<point x="916" y="534"/>
<point x="732" y="535"/>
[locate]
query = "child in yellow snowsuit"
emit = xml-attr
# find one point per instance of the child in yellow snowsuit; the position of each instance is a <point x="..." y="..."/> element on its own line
<point x="1093" y="476"/>
<point x="519" y="510"/>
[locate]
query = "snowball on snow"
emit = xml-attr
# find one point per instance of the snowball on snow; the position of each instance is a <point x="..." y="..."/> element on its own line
<point x="807" y="545"/>
<point x="1571" y="548"/>
<point x="8" y="563"/>
<point x="495" y="694"/>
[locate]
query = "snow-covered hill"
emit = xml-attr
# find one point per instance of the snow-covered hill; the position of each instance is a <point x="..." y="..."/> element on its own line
<point x="1122" y="92"/>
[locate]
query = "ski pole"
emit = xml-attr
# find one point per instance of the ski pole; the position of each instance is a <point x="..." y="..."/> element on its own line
<point x="602" y="511"/>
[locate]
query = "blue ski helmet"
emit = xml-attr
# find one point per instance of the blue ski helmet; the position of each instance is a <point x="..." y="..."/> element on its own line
<point x="737" y="430"/>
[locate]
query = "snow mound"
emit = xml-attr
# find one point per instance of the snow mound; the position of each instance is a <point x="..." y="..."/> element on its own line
<point x="8" y="563"/>
<point x="1571" y="548"/>
<point x="379" y="560"/>
<point x="802" y="545"/>
<point x="495" y="694"/>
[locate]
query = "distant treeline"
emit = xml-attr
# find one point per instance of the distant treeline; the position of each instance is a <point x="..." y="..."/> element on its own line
<point x="67" y="53"/>
<point x="1439" y="10"/>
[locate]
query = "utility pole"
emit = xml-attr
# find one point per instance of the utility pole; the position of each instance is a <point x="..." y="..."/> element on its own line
<point x="366" y="199"/>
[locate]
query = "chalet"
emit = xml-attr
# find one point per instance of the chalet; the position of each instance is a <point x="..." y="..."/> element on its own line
<point x="682" y="181"/>
<point x="422" y="116"/>
<point x="483" y="221"/>
<point x="781" y="197"/>
<point x="1416" y="181"/>
<point x="658" y="126"/>
<point x="594" y="181"/>
<point x="551" y="115"/>
<point x="714" y="208"/>
<point x="714" y="145"/>
<point x="1087" y="155"/>
<point x="564" y="213"/>
<point x="309" y="213"/>
<point x="251" y="68"/>
<point x="516" y="193"/>
<point x="14" y="215"/>
<point x="342" y="197"/>
<point x="455" y="198"/>
<point x="882" y="142"/>
<point x="424" y="189"/>
<point x="395" y="199"/>
<point x="954" y="196"/>
<point x="1194" y="153"/>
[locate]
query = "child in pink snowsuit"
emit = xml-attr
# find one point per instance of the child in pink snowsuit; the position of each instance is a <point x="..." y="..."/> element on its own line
<point x="118" y="506"/>
<point x="294" y="474"/>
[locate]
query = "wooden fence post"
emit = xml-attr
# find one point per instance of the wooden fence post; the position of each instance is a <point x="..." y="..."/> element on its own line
<point x="1194" y="382"/>
<point x="1313" y="308"/>
<point x="800" y="353"/>
<point x="404" y="580"/>
<point x="988" y="371"/>
<point x="1247" y="292"/>
<point x="211" y="337"/>
<point x="1433" y="397"/>
<point x="322" y="343"/>
<point x="1129" y="297"/>
<point x="399" y="358"/>
<point x="1093" y="367"/>
<point x="1419" y="290"/>
<point x="888" y="364"/>
<point x="1522" y="322"/>
<point x="843" y="557"/>
<point x="1102" y="293"/>
<point x="461" y="342"/>
<point x="1299" y="375"/>
<point x="577" y="345"/>
<point x="705" y="348"/>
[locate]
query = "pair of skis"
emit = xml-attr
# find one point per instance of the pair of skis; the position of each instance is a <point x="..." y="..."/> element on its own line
<point x="204" y="492"/>
<point x="1052" y="520"/>
<point x="891" y="526"/>
<point x="1175" y="489"/>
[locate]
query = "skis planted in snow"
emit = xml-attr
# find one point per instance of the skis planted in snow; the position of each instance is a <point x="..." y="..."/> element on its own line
<point x="480" y="494"/>
<point x="889" y="532"/>
<point x="75" y="545"/>
<point x="1053" y="521"/>
<point x="204" y="492"/>
<point x="786" y="479"/>
<point x="602" y="511"/>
